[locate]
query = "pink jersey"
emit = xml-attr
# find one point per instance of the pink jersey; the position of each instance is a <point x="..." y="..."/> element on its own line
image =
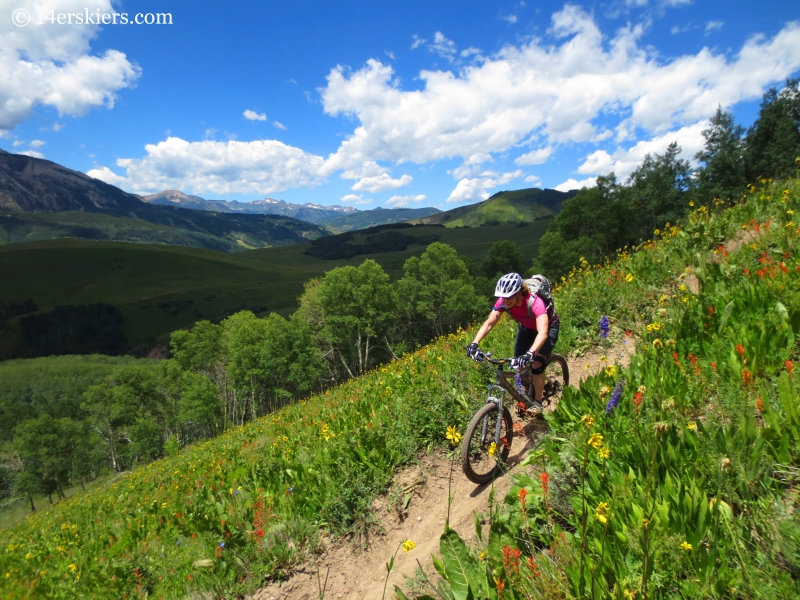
<point x="520" y="313"/>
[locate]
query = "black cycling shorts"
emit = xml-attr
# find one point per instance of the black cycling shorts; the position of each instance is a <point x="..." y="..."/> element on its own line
<point x="526" y="336"/>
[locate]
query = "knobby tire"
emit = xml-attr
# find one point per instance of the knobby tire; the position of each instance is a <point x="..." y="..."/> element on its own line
<point x="479" y="467"/>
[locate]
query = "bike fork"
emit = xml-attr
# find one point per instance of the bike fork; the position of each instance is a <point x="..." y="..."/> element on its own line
<point x="498" y="400"/>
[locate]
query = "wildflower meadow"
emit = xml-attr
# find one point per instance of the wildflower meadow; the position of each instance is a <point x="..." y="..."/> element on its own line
<point x="673" y="477"/>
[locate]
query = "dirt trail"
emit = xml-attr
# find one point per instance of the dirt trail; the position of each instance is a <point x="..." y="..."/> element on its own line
<point x="360" y="574"/>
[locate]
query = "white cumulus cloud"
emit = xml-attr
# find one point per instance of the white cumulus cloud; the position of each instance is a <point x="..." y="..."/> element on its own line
<point x="381" y="183"/>
<point x="475" y="189"/>
<point x="625" y="160"/>
<point x="31" y="153"/>
<point x="554" y="92"/>
<point x="468" y="190"/>
<point x="53" y="66"/>
<point x="400" y="201"/>
<point x="572" y="184"/>
<point x="212" y="167"/>
<point x="252" y="115"/>
<point x="442" y="46"/>
<point x="37" y="143"/>
<point x="537" y="157"/>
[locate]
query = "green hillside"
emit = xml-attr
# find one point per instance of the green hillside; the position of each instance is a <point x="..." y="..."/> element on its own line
<point x="675" y="477"/>
<point x="150" y="224"/>
<point x="518" y="206"/>
<point x="379" y="216"/>
<point x="160" y="288"/>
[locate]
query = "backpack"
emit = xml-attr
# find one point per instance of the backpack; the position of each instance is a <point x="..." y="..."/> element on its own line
<point x="539" y="285"/>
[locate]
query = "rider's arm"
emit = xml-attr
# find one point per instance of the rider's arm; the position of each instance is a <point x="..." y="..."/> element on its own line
<point x="490" y="322"/>
<point x="542" y="328"/>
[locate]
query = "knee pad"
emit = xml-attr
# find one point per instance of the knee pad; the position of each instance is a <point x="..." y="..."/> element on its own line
<point x="538" y="370"/>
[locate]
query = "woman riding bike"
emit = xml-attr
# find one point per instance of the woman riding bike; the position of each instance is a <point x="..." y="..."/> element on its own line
<point x="537" y="332"/>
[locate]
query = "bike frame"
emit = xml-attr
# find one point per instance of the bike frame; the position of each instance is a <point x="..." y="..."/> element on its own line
<point x="501" y="386"/>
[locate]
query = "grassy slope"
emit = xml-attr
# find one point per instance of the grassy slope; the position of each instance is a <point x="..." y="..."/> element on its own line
<point x="159" y="225"/>
<point x="262" y="489"/>
<point x="518" y="206"/>
<point x="137" y="278"/>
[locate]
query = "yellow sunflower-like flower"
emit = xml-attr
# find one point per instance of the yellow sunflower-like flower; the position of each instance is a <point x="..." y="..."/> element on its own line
<point x="453" y="435"/>
<point x="602" y="512"/>
<point x="629" y="277"/>
<point x="587" y="420"/>
<point x="604" y="453"/>
<point x="492" y="449"/>
<point x="595" y="441"/>
<point x="686" y="546"/>
<point x="408" y="545"/>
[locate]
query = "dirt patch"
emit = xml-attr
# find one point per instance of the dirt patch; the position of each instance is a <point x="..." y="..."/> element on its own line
<point x="354" y="573"/>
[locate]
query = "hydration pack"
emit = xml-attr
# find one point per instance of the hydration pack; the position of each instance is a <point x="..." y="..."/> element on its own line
<point x="539" y="285"/>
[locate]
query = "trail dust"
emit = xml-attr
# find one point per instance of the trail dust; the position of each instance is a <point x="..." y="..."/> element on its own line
<point x="349" y="572"/>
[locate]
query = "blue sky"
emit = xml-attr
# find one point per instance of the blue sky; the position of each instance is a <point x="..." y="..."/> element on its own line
<point x="380" y="103"/>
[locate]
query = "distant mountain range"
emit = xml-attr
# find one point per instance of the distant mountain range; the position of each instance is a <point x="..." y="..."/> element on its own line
<point x="313" y="213"/>
<point x="337" y="219"/>
<point x="42" y="200"/>
<point x="518" y="206"/>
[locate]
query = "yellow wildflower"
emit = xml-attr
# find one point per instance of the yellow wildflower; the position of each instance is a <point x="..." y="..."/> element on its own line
<point x="654" y="327"/>
<point x="658" y="343"/>
<point x="73" y="567"/>
<point x="482" y="556"/>
<point x="602" y="512"/>
<point x="408" y="545"/>
<point x="587" y="420"/>
<point x="595" y="441"/>
<point x="604" y="453"/>
<point x="492" y="449"/>
<point x="692" y="425"/>
<point x="605" y="391"/>
<point x="686" y="546"/>
<point x="611" y="370"/>
<point x="453" y="435"/>
<point x="629" y="277"/>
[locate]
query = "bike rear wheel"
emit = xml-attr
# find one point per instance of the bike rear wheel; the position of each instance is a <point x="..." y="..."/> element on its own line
<point x="480" y="461"/>
<point x="556" y="379"/>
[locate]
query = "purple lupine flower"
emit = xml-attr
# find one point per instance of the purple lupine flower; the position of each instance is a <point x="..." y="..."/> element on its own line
<point x="604" y="326"/>
<point x="615" y="396"/>
<point x="520" y="386"/>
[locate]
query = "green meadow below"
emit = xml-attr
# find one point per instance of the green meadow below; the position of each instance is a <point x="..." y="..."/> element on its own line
<point x="161" y="288"/>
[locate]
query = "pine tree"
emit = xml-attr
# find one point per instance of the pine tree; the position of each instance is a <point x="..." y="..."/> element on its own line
<point x="723" y="174"/>
<point x="773" y="142"/>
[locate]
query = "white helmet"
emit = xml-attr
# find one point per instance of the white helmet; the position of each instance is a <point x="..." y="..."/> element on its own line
<point x="508" y="285"/>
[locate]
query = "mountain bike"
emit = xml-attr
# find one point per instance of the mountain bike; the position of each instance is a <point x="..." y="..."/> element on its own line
<point x="487" y="441"/>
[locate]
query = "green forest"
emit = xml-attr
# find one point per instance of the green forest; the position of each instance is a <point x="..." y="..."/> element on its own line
<point x="671" y="478"/>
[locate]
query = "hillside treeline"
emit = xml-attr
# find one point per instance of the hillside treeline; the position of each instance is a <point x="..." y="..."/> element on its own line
<point x="226" y="374"/>
<point x="615" y="214"/>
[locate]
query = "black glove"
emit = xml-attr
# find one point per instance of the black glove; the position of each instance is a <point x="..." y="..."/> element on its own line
<point x="520" y="362"/>
<point x="474" y="352"/>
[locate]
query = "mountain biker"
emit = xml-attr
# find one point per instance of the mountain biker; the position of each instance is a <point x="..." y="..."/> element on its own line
<point x="537" y="332"/>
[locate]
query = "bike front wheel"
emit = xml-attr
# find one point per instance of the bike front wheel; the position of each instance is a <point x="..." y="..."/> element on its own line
<point x="481" y="456"/>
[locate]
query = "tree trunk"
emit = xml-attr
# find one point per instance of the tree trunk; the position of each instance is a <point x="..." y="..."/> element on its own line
<point x="83" y="487"/>
<point x="30" y="498"/>
<point x="349" y="372"/>
<point x="50" y="497"/>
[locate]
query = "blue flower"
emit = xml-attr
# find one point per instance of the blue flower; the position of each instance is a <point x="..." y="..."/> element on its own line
<point x="222" y="544"/>
<point x="604" y="326"/>
<point x="615" y="396"/>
